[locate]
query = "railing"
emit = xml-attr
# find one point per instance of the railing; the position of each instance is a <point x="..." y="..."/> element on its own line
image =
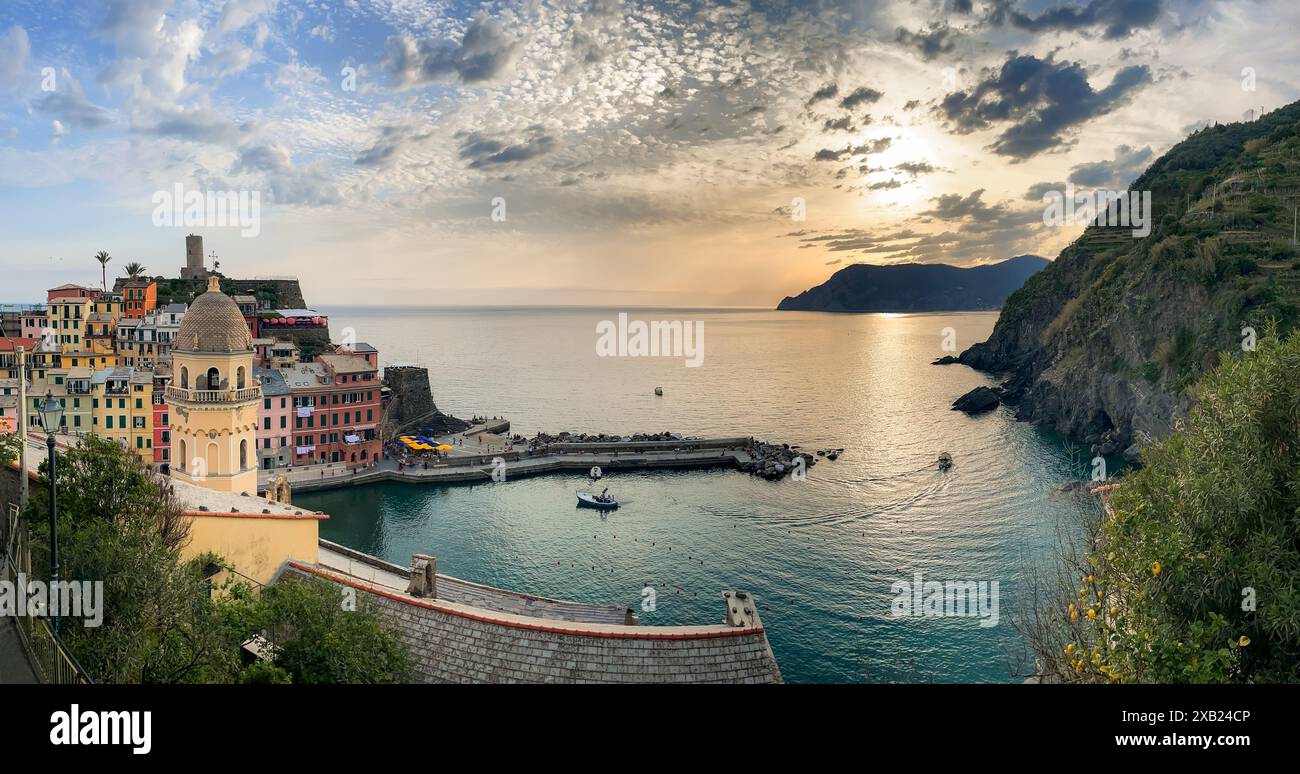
<point x="213" y="396"/>
<point x="49" y="657"/>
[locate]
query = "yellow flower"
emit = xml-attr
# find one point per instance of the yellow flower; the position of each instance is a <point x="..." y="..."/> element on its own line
<point x="1243" y="641"/>
<point x="1114" y="610"/>
<point x="1092" y="614"/>
<point x="1069" y="649"/>
<point x="1155" y="568"/>
<point x="1074" y="615"/>
<point x="1088" y="579"/>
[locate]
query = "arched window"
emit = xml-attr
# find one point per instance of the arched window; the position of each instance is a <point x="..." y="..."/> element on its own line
<point x="212" y="466"/>
<point x="239" y="378"/>
<point x="243" y="452"/>
<point x="185" y="380"/>
<point x="214" y="379"/>
<point x="180" y="458"/>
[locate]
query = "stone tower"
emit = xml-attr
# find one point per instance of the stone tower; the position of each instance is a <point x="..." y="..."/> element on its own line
<point x="193" y="268"/>
<point x="214" y="396"/>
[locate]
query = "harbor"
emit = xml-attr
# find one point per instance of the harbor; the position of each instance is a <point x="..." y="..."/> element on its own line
<point x="485" y="452"/>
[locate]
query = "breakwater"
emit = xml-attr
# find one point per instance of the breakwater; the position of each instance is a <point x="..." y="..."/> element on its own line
<point x="771" y="461"/>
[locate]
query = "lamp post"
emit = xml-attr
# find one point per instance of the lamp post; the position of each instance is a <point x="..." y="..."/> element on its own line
<point x="51" y="418"/>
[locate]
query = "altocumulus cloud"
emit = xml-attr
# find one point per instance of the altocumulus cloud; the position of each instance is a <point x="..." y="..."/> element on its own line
<point x="486" y="54"/>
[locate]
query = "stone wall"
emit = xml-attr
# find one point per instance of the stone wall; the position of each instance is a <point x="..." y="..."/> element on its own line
<point x="411" y="397"/>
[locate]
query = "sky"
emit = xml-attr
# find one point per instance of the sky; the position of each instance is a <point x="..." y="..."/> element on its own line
<point x="598" y="152"/>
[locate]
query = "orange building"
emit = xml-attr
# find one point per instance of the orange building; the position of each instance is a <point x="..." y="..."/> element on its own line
<point x="141" y="297"/>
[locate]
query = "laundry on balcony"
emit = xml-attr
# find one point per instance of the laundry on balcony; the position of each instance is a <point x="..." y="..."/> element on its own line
<point x="304" y="449"/>
<point x="305" y="411"/>
<point x="352" y="438"/>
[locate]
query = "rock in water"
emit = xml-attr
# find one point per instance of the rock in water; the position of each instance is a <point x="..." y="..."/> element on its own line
<point x="977" y="400"/>
<point x="946" y="360"/>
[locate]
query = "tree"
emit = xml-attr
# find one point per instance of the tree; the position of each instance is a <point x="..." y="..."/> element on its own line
<point x="317" y="639"/>
<point x="1195" y="574"/>
<point x="121" y="524"/>
<point x="103" y="257"/>
<point x="133" y="269"/>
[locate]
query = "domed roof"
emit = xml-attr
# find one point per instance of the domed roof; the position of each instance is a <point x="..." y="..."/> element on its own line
<point x="213" y="323"/>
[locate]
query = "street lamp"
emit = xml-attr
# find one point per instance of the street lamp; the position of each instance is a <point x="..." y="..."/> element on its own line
<point x="51" y="412"/>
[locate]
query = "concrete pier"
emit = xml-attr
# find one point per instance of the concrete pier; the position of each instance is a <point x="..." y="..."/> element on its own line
<point x="478" y="448"/>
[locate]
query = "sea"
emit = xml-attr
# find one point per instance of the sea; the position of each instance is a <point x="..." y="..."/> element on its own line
<point x="830" y="558"/>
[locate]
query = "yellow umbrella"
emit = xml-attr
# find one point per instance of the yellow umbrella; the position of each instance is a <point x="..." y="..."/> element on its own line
<point x="443" y="447"/>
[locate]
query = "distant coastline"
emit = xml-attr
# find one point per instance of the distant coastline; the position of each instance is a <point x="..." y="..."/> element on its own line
<point x="916" y="287"/>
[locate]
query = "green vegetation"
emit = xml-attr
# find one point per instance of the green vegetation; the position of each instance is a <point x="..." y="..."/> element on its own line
<point x="1219" y="258"/>
<point x="1195" y="575"/>
<point x="162" y="622"/>
<point x="103" y="257"/>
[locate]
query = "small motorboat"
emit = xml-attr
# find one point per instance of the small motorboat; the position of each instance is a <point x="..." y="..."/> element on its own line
<point x="603" y="502"/>
<point x="945" y="460"/>
<point x="659" y="391"/>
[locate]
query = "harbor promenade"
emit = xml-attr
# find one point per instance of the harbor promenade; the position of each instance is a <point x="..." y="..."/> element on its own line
<point x="476" y="453"/>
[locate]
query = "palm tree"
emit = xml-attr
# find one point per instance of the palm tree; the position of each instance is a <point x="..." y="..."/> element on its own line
<point x="103" y="257"/>
<point x="133" y="270"/>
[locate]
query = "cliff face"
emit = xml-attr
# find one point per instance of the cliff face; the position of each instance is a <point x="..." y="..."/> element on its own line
<point x="1105" y="342"/>
<point x="916" y="287"/>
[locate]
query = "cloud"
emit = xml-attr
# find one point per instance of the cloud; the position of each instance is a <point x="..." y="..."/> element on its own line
<point x="312" y="185"/>
<point x="872" y="146"/>
<point x="14" y="50"/>
<point x="1042" y="99"/>
<point x="1037" y="191"/>
<point x="1118" y="17"/>
<point x="71" y="107"/>
<point x="484" y="152"/>
<point x="930" y="43"/>
<point x="1115" y="174"/>
<point x="392" y="140"/>
<point x="842" y="124"/>
<point x="485" y="54"/>
<point x="199" y="125"/>
<point x="238" y="13"/>
<point x="860" y="96"/>
<point x="829" y="91"/>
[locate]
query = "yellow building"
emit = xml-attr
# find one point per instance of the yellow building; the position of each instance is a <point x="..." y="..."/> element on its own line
<point x="101" y="330"/>
<point x="122" y="407"/>
<point x="69" y="309"/>
<point x="213" y="397"/>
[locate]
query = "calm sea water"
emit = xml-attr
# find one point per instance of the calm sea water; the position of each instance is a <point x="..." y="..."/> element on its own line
<point x="821" y="554"/>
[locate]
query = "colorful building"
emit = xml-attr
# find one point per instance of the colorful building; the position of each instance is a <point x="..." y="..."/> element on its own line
<point x="122" y="403"/>
<point x="68" y="309"/>
<point x="337" y="410"/>
<point x="141" y="297"/>
<point x="275" y="420"/>
<point x="33" y="322"/>
<point x="162" y="434"/>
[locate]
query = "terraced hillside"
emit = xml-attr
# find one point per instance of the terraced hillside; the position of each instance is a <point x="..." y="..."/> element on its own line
<point x="1104" y="343"/>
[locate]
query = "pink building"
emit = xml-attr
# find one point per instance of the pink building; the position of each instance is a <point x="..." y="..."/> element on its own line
<point x="274" y="421"/>
<point x="33" y="323"/>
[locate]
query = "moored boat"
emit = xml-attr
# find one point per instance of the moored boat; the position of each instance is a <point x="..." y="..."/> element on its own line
<point x="589" y="500"/>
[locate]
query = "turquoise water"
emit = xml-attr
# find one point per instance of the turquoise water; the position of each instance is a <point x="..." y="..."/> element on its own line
<point x="820" y="554"/>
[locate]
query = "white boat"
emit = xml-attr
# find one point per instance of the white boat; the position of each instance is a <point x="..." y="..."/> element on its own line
<point x="945" y="460"/>
<point x="589" y="500"/>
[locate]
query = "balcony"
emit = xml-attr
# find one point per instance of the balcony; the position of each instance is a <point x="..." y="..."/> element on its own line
<point x="213" y="396"/>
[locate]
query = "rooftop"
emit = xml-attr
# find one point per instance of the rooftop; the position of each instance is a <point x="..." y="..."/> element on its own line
<point x="302" y="376"/>
<point x="346" y="364"/>
<point x="272" y="380"/>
